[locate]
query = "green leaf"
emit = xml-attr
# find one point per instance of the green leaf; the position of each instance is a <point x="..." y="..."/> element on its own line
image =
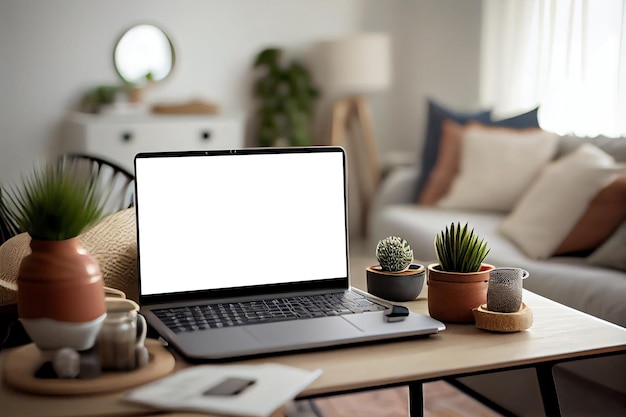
<point x="269" y="57"/>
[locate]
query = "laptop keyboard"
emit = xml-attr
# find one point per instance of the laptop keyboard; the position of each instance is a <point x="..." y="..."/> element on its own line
<point x="191" y="318"/>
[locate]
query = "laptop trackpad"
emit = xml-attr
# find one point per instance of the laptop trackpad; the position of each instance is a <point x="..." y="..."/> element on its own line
<point x="297" y="332"/>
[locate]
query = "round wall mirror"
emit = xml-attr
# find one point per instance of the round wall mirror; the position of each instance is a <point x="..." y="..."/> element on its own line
<point x="143" y="53"/>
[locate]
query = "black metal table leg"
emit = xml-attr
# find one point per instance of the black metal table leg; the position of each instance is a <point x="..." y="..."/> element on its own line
<point x="549" y="396"/>
<point x="416" y="399"/>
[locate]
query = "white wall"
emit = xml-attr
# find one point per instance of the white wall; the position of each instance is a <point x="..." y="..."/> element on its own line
<point x="52" y="51"/>
<point x="438" y="55"/>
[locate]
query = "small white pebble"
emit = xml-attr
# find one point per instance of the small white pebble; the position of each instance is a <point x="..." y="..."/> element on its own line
<point x="66" y="363"/>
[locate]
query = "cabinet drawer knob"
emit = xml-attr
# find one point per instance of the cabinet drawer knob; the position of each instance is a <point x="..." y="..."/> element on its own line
<point x="205" y="135"/>
<point x="127" y="136"/>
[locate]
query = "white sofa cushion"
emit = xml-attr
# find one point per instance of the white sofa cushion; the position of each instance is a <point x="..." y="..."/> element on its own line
<point x="550" y="209"/>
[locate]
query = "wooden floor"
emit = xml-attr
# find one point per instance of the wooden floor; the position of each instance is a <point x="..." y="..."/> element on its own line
<point x="440" y="400"/>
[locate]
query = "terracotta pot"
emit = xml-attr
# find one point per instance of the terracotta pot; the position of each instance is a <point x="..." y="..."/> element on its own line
<point x="60" y="296"/>
<point x="395" y="286"/>
<point x="453" y="295"/>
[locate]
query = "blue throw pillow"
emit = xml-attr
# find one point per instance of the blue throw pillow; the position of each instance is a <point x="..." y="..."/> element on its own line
<point x="521" y="121"/>
<point x="436" y="115"/>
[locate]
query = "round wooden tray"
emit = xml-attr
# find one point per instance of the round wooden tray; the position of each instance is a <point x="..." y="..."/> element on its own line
<point x="503" y="322"/>
<point x="21" y="364"/>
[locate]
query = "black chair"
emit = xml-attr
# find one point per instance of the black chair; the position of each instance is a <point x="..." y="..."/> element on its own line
<point x="118" y="182"/>
<point x="8" y="226"/>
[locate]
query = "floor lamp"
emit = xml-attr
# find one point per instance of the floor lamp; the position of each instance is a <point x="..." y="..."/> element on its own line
<point x="351" y="68"/>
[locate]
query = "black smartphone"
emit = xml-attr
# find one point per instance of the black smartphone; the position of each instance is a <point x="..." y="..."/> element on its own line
<point x="230" y="386"/>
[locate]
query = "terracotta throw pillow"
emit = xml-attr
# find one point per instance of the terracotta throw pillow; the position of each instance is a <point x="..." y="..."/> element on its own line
<point x="447" y="166"/>
<point x="605" y="213"/>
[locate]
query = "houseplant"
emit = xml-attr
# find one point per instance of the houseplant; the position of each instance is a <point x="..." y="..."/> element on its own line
<point x="459" y="282"/>
<point x="396" y="278"/>
<point x="60" y="295"/>
<point x="286" y="96"/>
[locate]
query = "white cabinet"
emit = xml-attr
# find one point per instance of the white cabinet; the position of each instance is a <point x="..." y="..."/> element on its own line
<point x="119" y="138"/>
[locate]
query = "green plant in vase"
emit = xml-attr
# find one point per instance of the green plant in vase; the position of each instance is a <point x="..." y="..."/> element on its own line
<point x="458" y="283"/>
<point x="60" y="295"/>
<point x="396" y="278"/>
<point x="286" y="96"/>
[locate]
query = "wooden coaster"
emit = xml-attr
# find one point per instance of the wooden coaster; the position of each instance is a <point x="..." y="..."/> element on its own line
<point x="503" y="322"/>
<point x="21" y="364"/>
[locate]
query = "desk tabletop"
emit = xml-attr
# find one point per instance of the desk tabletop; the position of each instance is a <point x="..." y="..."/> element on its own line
<point x="557" y="333"/>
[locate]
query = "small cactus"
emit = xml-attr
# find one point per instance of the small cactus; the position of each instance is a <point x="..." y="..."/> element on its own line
<point x="394" y="254"/>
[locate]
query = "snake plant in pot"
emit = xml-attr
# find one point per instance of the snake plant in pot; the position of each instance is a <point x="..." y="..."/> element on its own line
<point x="60" y="298"/>
<point x="396" y="277"/>
<point x="459" y="282"/>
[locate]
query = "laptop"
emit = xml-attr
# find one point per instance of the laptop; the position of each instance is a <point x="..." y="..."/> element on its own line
<point x="230" y="241"/>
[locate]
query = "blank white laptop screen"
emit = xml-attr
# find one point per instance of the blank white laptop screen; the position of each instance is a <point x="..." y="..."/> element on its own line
<point x="234" y="220"/>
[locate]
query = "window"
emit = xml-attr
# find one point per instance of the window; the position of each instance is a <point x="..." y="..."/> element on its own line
<point x="568" y="56"/>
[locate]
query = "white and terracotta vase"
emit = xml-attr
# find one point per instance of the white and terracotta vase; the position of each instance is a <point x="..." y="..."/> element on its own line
<point x="60" y="298"/>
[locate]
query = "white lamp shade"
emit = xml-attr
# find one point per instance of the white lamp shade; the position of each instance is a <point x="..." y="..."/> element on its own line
<point x="358" y="63"/>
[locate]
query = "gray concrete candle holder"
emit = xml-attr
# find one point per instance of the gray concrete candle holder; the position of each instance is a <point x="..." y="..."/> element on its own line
<point x="504" y="294"/>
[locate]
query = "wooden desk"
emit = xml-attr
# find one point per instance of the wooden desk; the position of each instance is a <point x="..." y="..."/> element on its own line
<point x="558" y="334"/>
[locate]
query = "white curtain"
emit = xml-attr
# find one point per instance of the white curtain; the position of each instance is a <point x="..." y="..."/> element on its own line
<point x="568" y="56"/>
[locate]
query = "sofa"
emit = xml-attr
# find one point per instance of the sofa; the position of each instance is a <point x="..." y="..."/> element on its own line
<point x="546" y="208"/>
<point x="569" y="280"/>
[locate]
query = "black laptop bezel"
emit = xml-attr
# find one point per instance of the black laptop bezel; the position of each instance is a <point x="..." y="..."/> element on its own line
<point x="325" y="285"/>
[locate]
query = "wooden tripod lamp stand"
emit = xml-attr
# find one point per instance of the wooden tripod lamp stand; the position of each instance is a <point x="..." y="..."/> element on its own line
<point x="350" y="68"/>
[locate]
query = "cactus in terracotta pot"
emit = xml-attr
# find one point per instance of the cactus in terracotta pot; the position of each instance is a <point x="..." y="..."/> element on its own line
<point x="458" y="283"/>
<point x="396" y="278"/>
<point x="60" y="295"/>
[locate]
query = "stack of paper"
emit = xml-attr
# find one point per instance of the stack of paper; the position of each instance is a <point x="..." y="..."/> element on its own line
<point x="192" y="389"/>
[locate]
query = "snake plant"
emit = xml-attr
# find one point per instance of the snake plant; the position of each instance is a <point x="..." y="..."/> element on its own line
<point x="394" y="254"/>
<point x="459" y="249"/>
<point x="56" y="202"/>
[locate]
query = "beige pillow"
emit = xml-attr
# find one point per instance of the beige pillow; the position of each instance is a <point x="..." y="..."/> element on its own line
<point x="554" y="203"/>
<point x="112" y="242"/>
<point x="497" y="165"/>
